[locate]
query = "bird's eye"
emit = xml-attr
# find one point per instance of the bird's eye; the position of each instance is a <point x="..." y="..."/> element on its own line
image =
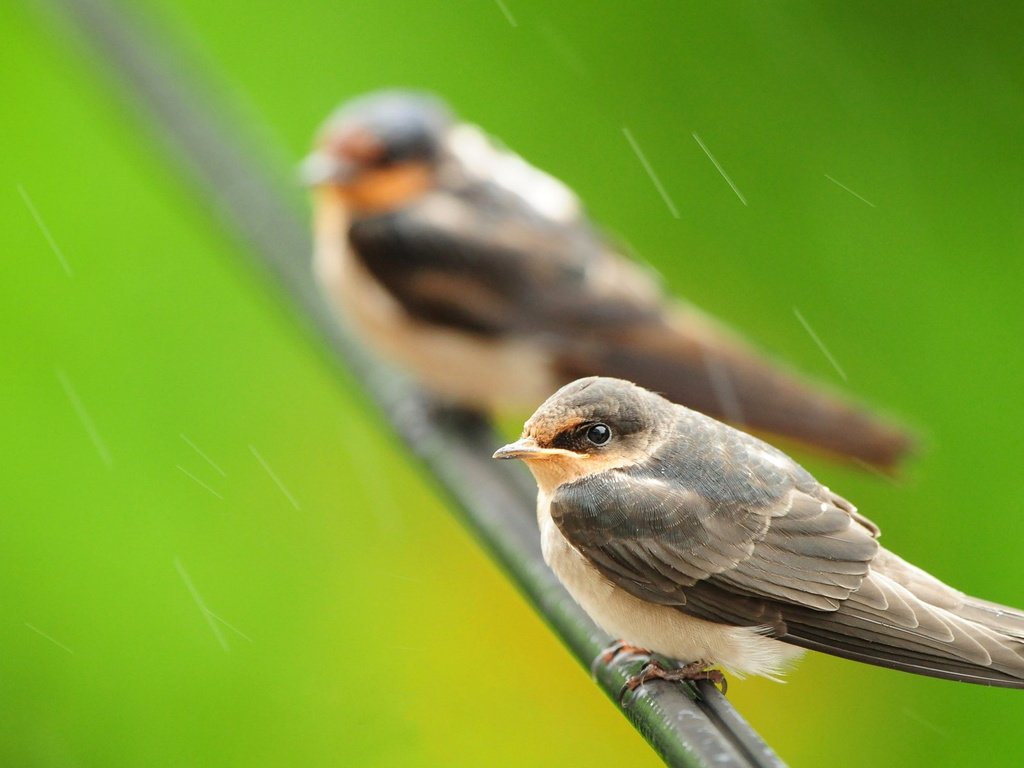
<point x="599" y="434"/>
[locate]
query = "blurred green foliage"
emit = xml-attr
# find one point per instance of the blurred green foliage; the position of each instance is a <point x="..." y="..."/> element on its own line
<point x="365" y="628"/>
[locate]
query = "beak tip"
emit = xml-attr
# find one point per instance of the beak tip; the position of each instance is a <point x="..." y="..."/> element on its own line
<point x="523" y="448"/>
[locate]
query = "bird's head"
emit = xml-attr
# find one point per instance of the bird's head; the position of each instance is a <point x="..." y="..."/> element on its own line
<point x="591" y="425"/>
<point x="380" y="150"/>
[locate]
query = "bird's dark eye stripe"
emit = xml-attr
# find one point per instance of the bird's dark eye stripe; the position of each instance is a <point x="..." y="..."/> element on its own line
<point x="583" y="437"/>
<point x="599" y="434"/>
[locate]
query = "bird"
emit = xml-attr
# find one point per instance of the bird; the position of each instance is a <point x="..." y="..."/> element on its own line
<point x="482" y="276"/>
<point x="699" y="542"/>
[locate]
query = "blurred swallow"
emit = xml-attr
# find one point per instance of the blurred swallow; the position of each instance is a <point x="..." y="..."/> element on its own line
<point x="482" y="276"/>
<point x="694" y="540"/>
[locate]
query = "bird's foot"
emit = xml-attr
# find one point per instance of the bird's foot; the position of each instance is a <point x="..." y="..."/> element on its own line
<point x="653" y="670"/>
<point x="612" y="652"/>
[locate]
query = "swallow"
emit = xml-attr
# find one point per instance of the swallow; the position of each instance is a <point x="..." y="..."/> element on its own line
<point x="696" y="541"/>
<point x="482" y="276"/>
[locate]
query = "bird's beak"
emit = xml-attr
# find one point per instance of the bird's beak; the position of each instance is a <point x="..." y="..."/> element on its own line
<point x="523" y="448"/>
<point x="319" y="168"/>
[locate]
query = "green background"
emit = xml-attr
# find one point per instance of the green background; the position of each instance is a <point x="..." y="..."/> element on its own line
<point x="370" y="628"/>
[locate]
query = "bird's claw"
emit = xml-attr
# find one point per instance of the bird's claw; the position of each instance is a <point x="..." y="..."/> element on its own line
<point x="653" y="670"/>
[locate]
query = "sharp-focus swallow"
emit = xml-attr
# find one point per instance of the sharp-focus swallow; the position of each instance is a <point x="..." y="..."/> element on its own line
<point x="483" y="277"/>
<point x="691" y="539"/>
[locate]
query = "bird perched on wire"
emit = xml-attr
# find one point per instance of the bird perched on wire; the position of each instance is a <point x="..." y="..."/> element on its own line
<point x="691" y="539"/>
<point x="482" y="276"/>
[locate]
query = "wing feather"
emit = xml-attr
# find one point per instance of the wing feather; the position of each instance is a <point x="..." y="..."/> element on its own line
<point x="450" y="260"/>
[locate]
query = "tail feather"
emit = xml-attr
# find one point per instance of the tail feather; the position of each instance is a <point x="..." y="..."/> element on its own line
<point x="918" y="663"/>
<point x="928" y="589"/>
<point x="1000" y="618"/>
<point x="694" y="361"/>
<point x="903" y="618"/>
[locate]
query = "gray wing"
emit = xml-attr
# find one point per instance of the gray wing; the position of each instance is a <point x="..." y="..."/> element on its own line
<point x="663" y="541"/>
<point x="479" y="261"/>
<point x="753" y="543"/>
